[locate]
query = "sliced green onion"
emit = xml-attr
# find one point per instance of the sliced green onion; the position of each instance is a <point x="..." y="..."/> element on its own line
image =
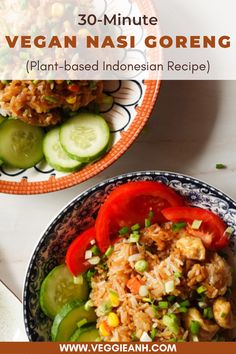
<point x="176" y="227"/>
<point x="82" y="322"/>
<point x="172" y="322"/>
<point x="171" y="298"/>
<point x="169" y="286"/>
<point x="109" y="251"/>
<point x="223" y="314"/>
<point x="78" y="280"/>
<point x="95" y="250"/>
<point x="153" y="333"/>
<point x="92" y="84"/>
<point x="208" y="313"/>
<point x="185" y="303"/>
<point x="94" y="260"/>
<point x="195" y="339"/>
<point x="220" y="166"/>
<point x="151" y="214"/>
<point x="134" y="238"/>
<point x="124" y="230"/>
<point x="147" y="222"/>
<point x="201" y="289"/>
<point x="177" y="274"/>
<point x="183" y="309"/>
<point x="88" y="305"/>
<point x="141" y="266"/>
<point x="135" y="227"/>
<point x="196" y="224"/>
<point x="51" y="99"/>
<point x="90" y="273"/>
<point x="229" y="231"/>
<point x="202" y="304"/>
<point x="147" y="299"/>
<point x="105" y="308"/>
<point x="163" y="304"/>
<point x="195" y="327"/>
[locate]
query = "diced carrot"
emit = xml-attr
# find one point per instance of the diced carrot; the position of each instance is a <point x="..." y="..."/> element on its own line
<point x="134" y="284"/>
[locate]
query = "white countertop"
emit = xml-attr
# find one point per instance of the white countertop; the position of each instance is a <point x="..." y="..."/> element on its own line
<point x="193" y="127"/>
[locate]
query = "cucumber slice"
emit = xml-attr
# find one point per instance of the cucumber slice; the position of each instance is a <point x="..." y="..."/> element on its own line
<point x="85" y="137"/>
<point x="65" y="323"/>
<point x="20" y="143"/>
<point x="58" y="288"/>
<point x="85" y="334"/>
<point x="55" y="155"/>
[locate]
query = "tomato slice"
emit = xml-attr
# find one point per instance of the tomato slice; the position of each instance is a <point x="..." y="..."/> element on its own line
<point x="130" y="204"/>
<point x="75" y="256"/>
<point x="212" y="230"/>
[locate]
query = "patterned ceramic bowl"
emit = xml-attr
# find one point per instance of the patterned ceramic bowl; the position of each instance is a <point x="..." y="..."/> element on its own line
<point x="133" y="103"/>
<point x="81" y="213"/>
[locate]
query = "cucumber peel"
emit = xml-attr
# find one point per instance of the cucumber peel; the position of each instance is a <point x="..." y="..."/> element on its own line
<point x="65" y="322"/>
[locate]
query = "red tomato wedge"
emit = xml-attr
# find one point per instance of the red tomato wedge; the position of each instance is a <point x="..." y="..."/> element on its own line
<point x="212" y="230"/>
<point x="75" y="256"/>
<point x="130" y="204"/>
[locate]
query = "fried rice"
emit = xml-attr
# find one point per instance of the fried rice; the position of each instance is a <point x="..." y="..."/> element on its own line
<point x="183" y="283"/>
<point x="42" y="102"/>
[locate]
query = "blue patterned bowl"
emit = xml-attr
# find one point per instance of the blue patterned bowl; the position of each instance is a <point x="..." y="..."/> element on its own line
<point x="81" y="214"/>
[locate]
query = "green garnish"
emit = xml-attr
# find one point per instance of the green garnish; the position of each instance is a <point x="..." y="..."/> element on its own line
<point x="135" y="227"/>
<point x="208" y="313"/>
<point x="177" y="274"/>
<point x="171" y="298"/>
<point x="90" y="273"/>
<point x="163" y="304"/>
<point x="153" y="333"/>
<point x="124" y="230"/>
<point x="185" y="303"/>
<point x="201" y="289"/>
<point x="223" y="314"/>
<point x="220" y="166"/>
<point x="134" y="238"/>
<point x="147" y="222"/>
<point x="92" y="84"/>
<point x="172" y="322"/>
<point x="196" y="224"/>
<point x="109" y="251"/>
<point x="195" y="327"/>
<point x="141" y="266"/>
<point x="176" y="227"/>
<point x="151" y="214"/>
<point x="95" y="250"/>
<point x="183" y="309"/>
<point x="51" y="99"/>
<point x="105" y="308"/>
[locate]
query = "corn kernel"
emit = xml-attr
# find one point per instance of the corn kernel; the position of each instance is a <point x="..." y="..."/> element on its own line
<point x="113" y="319"/>
<point x="104" y="329"/>
<point x="114" y="299"/>
<point x="71" y="100"/>
<point x="57" y="9"/>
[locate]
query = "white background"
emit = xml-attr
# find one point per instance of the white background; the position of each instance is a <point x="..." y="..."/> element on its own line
<point x="192" y="128"/>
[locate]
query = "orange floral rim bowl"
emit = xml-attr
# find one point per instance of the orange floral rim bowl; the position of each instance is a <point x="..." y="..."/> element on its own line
<point x="133" y="102"/>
